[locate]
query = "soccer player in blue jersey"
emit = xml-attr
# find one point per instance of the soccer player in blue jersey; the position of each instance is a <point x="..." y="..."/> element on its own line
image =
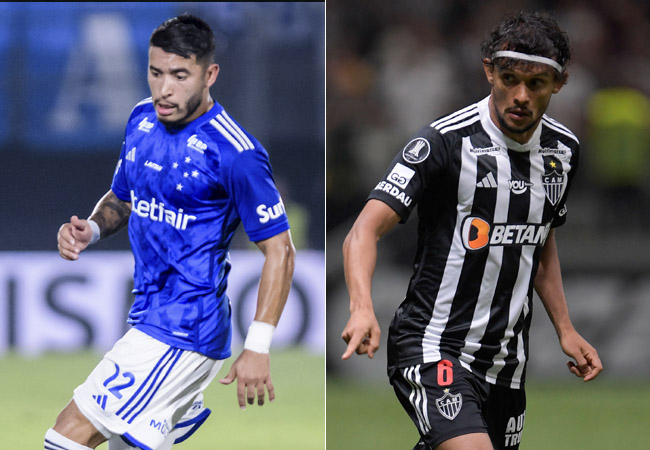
<point x="187" y="175"/>
<point x="490" y="183"/>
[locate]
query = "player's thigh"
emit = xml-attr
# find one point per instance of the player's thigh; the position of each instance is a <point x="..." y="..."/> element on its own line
<point x="443" y="399"/>
<point x="505" y="414"/>
<point x="72" y="424"/>
<point x="474" y="441"/>
<point x="142" y="387"/>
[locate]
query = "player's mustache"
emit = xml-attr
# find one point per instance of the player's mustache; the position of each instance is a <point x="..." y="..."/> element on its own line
<point x="165" y="103"/>
<point x="519" y="110"/>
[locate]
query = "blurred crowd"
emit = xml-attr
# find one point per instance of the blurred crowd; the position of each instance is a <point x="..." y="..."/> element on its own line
<point x="393" y="67"/>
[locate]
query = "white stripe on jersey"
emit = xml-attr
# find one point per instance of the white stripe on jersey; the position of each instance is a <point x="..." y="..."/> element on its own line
<point x="557" y="126"/>
<point x="235" y="132"/>
<point x="452" y="116"/>
<point x="453" y="267"/>
<point x="227" y="135"/>
<point x="237" y="129"/>
<point x="457" y="126"/>
<point x="519" y="299"/>
<point x="145" y="101"/>
<point x="491" y="272"/>
<point x="418" y="397"/>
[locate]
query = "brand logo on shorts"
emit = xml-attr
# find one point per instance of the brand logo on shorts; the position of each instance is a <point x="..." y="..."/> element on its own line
<point x="449" y="404"/>
<point x="163" y="426"/>
<point x="514" y="429"/>
<point x="416" y="151"/>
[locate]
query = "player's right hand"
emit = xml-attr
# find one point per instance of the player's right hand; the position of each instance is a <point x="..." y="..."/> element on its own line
<point x="362" y="334"/>
<point x="73" y="238"/>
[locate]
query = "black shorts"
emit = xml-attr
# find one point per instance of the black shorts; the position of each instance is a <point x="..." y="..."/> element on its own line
<point x="445" y="400"/>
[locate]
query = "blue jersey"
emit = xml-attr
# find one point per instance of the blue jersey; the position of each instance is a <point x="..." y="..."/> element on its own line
<point x="189" y="188"/>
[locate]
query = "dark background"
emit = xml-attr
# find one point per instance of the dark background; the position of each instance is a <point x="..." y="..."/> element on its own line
<point x="394" y="67"/>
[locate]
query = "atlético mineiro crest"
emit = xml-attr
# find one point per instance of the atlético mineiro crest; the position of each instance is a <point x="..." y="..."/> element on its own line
<point x="553" y="183"/>
<point x="449" y="404"/>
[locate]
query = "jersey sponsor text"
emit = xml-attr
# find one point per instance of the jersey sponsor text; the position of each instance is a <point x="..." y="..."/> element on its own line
<point x="156" y="212"/>
<point x="267" y="213"/>
<point x="477" y="233"/>
<point x="394" y="191"/>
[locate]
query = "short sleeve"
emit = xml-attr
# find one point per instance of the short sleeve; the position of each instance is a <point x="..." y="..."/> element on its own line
<point x="119" y="185"/>
<point x="250" y="184"/>
<point x="410" y="172"/>
<point x="561" y="211"/>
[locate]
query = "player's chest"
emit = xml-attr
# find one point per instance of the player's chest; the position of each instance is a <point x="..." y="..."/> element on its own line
<point x="497" y="174"/>
<point x="175" y="168"/>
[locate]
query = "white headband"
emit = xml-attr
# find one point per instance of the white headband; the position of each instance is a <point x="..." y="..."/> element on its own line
<point x="525" y="57"/>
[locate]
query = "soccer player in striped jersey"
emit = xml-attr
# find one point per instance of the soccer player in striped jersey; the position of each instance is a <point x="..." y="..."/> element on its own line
<point x="490" y="182"/>
<point x="187" y="175"/>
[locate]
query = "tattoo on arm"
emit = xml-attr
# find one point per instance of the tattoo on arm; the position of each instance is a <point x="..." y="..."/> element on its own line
<point x="111" y="214"/>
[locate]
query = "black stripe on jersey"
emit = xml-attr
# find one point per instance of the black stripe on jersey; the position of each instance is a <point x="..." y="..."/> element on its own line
<point x="522" y="326"/>
<point x="518" y="210"/>
<point x="469" y="284"/>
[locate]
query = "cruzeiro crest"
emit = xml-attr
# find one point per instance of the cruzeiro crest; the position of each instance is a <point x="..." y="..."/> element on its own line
<point x="449" y="404"/>
<point x="554" y="183"/>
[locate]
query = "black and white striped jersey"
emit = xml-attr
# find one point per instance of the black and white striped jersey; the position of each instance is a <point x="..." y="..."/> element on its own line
<point x="485" y="207"/>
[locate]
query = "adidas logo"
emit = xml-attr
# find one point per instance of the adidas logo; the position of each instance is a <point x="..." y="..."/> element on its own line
<point x="101" y="400"/>
<point x="488" y="181"/>
<point x="131" y="155"/>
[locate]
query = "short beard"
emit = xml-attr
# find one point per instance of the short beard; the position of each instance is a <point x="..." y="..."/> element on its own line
<point x="510" y="129"/>
<point x="191" y="106"/>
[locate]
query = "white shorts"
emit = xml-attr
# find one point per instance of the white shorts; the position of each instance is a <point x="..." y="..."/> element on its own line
<point x="143" y="389"/>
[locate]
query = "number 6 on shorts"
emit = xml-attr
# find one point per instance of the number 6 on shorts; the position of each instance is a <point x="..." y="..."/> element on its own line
<point x="445" y="373"/>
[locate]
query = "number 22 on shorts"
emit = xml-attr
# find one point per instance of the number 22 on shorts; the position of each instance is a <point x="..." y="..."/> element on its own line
<point x="445" y="373"/>
<point x="115" y="390"/>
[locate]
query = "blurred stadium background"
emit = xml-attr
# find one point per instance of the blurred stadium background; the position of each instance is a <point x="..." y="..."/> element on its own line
<point x="393" y="67"/>
<point x="72" y="73"/>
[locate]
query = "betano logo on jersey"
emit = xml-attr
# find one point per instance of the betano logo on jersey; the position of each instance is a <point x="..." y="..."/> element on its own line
<point x="156" y="212"/>
<point x="477" y="233"/>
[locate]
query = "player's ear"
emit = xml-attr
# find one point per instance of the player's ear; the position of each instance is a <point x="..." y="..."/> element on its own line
<point x="560" y="80"/>
<point x="488" y="67"/>
<point x="211" y="74"/>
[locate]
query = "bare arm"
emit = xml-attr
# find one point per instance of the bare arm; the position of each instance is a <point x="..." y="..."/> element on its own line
<point x="359" y="259"/>
<point x="111" y="215"/>
<point x="277" y="274"/>
<point x="548" y="284"/>
<point x="252" y="369"/>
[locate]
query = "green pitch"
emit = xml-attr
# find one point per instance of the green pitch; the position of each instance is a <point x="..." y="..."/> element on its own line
<point x="600" y="415"/>
<point x="33" y="391"/>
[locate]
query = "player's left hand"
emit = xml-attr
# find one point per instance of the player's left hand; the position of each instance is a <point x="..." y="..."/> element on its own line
<point x="253" y="373"/>
<point x="587" y="364"/>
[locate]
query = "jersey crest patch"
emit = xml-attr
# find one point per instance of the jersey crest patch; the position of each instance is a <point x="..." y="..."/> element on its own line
<point x="416" y="151"/>
<point x="449" y="405"/>
<point x="553" y="183"/>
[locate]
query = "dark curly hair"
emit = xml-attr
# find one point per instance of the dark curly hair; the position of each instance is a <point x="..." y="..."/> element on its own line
<point x="186" y="35"/>
<point x="533" y="33"/>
